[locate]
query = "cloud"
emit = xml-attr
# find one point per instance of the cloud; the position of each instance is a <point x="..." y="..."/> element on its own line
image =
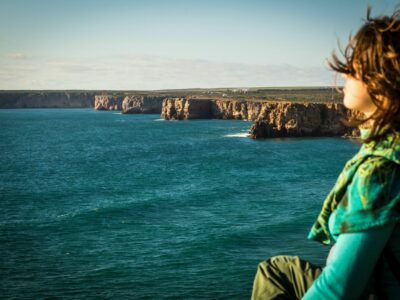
<point x="75" y="66"/>
<point x="17" y="56"/>
<point x="141" y="72"/>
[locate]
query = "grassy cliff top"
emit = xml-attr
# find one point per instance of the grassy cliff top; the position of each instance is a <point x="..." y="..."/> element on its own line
<point x="293" y="94"/>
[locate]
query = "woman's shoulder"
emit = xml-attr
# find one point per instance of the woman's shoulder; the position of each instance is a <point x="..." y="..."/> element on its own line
<point x="372" y="198"/>
<point x="376" y="179"/>
<point x="380" y="167"/>
<point x="385" y="149"/>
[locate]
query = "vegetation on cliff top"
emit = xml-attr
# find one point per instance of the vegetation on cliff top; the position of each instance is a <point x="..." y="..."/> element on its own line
<point x="292" y="94"/>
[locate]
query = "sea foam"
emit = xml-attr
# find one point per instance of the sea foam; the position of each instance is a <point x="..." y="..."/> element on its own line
<point x="240" y="134"/>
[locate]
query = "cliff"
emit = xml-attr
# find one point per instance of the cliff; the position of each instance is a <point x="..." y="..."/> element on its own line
<point x="206" y="108"/>
<point x="46" y="99"/>
<point x="142" y="105"/>
<point x="108" y="102"/>
<point x="308" y="119"/>
<point x="272" y="119"/>
<point x="186" y="108"/>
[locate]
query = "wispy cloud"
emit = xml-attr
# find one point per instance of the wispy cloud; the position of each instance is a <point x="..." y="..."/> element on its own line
<point x="17" y="56"/>
<point x="129" y="72"/>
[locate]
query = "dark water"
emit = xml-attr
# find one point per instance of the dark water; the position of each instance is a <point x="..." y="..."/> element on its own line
<point x="99" y="204"/>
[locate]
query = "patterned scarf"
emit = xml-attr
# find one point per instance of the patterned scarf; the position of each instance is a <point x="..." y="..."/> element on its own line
<point x="367" y="191"/>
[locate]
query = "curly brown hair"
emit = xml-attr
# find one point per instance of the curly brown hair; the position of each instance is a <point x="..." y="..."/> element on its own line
<point x="373" y="56"/>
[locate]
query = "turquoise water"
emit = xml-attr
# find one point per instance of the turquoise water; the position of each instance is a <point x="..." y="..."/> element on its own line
<point x="100" y="204"/>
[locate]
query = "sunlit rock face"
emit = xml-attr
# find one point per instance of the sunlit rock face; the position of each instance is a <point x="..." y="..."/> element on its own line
<point x="108" y="102"/>
<point x="142" y="105"/>
<point x="271" y="118"/>
<point x="186" y="109"/>
<point x="303" y="119"/>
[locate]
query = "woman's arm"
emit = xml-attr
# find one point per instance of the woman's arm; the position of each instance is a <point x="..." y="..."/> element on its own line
<point x="351" y="265"/>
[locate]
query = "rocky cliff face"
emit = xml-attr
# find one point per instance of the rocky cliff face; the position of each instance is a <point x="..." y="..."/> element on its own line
<point x="236" y="109"/>
<point x="48" y="99"/>
<point x="107" y="102"/>
<point x="194" y="108"/>
<point x="308" y="119"/>
<point x="142" y="105"/>
<point x="272" y="119"/>
<point x="186" y="108"/>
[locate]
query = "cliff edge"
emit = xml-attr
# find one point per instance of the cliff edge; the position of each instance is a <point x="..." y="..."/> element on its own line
<point x="142" y="104"/>
<point x="272" y="118"/>
<point x="107" y="102"/>
<point x="47" y="99"/>
<point x="308" y="119"/>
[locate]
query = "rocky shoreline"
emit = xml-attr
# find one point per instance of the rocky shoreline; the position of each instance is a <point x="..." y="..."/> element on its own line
<point x="271" y="118"/>
<point x="133" y="104"/>
<point x="47" y="99"/>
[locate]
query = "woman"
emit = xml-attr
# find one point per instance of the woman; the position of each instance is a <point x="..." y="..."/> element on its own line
<point x="362" y="211"/>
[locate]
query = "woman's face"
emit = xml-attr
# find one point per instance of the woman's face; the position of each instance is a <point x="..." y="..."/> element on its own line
<point x="356" y="95"/>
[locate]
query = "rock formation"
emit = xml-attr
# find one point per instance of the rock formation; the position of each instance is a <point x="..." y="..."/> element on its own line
<point x="108" y="102"/>
<point x="272" y="118"/>
<point x="186" y="108"/>
<point x="142" y="105"/>
<point x="46" y="99"/>
<point x="308" y="119"/>
<point x="236" y="109"/>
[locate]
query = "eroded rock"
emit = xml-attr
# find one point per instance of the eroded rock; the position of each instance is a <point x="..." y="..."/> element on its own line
<point x="142" y="105"/>
<point x="108" y="102"/>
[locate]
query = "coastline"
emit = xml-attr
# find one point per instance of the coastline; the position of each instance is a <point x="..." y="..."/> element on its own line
<point x="275" y="112"/>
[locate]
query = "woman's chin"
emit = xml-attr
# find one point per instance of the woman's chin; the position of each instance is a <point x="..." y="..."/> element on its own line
<point x="347" y="105"/>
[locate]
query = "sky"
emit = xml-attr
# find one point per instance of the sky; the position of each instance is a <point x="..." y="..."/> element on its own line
<point x="171" y="44"/>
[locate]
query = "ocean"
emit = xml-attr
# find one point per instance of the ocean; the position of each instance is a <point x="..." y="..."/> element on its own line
<point x="98" y="204"/>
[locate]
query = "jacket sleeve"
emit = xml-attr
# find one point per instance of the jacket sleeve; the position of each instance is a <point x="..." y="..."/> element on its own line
<point x="351" y="265"/>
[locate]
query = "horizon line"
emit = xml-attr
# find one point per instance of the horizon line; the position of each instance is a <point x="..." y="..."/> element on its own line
<point x="183" y="89"/>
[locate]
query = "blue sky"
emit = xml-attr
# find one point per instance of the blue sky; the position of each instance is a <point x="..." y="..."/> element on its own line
<point x="133" y="45"/>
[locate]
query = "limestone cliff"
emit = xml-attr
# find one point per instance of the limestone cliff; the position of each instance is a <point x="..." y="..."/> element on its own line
<point x="272" y="118"/>
<point x="46" y="99"/>
<point x="298" y="119"/>
<point x="186" y="108"/>
<point x="237" y="109"/>
<point x="108" y="102"/>
<point x="142" y="104"/>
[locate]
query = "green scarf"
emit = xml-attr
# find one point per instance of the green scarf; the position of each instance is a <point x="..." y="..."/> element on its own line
<point x="367" y="191"/>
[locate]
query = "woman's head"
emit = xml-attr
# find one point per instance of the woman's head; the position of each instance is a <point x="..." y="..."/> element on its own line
<point x="371" y="67"/>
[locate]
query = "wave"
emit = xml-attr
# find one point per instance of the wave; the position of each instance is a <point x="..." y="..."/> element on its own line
<point x="240" y="134"/>
<point x="159" y="120"/>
